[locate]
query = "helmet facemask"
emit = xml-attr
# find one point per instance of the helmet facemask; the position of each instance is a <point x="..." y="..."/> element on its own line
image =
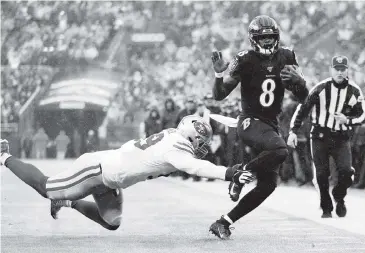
<point x="266" y="44"/>
<point x="200" y="148"/>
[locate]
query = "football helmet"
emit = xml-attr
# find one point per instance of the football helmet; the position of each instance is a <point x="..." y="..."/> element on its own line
<point x="261" y="28"/>
<point x="198" y="132"/>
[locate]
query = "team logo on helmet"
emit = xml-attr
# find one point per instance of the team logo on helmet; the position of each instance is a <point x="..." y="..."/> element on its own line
<point x="339" y="59"/>
<point x="201" y="128"/>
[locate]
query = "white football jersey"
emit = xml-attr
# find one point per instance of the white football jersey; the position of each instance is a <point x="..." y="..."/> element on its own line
<point x="155" y="156"/>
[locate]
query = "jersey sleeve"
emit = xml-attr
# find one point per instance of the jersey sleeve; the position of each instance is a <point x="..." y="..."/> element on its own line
<point x="303" y="110"/>
<point x="358" y="109"/>
<point x="185" y="161"/>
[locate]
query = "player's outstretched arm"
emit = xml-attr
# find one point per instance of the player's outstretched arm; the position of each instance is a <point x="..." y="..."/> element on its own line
<point x="206" y="169"/>
<point x="222" y="86"/>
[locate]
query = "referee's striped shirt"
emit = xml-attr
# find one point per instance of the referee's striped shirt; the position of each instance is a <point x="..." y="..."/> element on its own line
<point x="325" y="99"/>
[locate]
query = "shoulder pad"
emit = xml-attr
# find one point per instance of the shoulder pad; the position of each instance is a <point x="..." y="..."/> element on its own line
<point x="244" y="54"/>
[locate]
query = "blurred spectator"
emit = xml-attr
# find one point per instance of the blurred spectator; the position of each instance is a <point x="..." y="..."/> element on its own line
<point x="190" y="109"/>
<point x="91" y="141"/>
<point x="62" y="141"/>
<point x="153" y="123"/>
<point x="27" y="144"/>
<point x="169" y="115"/>
<point x="40" y="143"/>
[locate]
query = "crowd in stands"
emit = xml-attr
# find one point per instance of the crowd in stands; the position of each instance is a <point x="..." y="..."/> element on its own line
<point x="17" y="85"/>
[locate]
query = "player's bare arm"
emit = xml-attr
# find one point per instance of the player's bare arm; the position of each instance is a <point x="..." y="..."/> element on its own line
<point x="223" y="85"/>
<point x="203" y="168"/>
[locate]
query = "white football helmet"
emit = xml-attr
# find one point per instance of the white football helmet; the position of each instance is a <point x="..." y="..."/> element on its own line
<point x="198" y="132"/>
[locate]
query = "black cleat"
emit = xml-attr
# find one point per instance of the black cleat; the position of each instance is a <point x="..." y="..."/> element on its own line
<point x="341" y="209"/>
<point x="220" y="230"/>
<point x="234" y="191"/>
<point x="326" y="214"/>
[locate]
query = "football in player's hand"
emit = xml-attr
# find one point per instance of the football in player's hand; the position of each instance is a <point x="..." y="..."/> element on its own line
<point x="290" y="74"/>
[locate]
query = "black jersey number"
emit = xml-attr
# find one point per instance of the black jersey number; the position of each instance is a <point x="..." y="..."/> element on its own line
<point x="267" y="96"/>
<point x="150" y="141"/>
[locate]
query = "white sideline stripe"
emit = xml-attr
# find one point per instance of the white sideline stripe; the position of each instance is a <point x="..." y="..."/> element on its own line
<point x="335" y="249"/>
<point x="72" y="180"/>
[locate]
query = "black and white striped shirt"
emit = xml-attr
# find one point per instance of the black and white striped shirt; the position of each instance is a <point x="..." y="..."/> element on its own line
<point x="327" y="98"/>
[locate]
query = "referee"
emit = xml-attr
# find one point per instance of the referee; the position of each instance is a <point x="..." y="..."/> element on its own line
<point x="337" y="105"/>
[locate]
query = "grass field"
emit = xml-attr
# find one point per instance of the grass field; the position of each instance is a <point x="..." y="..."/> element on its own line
<point x="171" y="215"/>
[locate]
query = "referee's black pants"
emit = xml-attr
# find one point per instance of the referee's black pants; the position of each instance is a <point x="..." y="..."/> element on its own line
<point x="323" y="145"/>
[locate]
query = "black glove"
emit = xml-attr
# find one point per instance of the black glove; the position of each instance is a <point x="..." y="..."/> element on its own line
<point x="242" y="177"/>
<point x="219" y="64"/>
<point x="237" y="175"/>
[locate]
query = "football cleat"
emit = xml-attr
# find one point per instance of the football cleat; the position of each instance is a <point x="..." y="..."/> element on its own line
<point x="341" y="209"/>
<point x="234" y="191"/>
<point x="221" y="231"/>
<point x="56" y="206"/>
<point x="4" y="151"/>
<point x="326" y="214"/>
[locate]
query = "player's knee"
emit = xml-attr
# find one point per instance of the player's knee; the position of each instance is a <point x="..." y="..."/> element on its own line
<point x="113" y="220"/>
<point x="268" y="183"/>
<point x="281" y="154"/>
<point x="112" y="227"/>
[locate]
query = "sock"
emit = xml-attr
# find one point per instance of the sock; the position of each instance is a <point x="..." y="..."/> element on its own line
<point x="225" y="220"/>
<point x="250" y="201"/>
<point x="4" y="157"/>
<point x="28" y="173"/>
<point x="68" y="203"/>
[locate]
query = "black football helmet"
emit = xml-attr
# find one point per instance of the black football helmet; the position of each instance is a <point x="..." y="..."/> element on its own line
<point x="264" y="27"/>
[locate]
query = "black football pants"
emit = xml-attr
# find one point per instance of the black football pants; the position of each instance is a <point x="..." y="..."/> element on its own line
<point x="340" y="149"/>
<point x="271" y="151"/>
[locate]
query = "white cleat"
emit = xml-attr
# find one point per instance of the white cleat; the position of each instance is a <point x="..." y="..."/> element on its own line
<point x="4" y="151"/>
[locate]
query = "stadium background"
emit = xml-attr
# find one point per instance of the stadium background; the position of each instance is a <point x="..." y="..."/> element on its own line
<point x="84" y="76"/>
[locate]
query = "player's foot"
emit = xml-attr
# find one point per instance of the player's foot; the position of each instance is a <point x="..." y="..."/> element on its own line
<point x="341" y="209"/>
<point x="56" y="206"/>
<point x="234" y="191"/>
<point x="4" y="151"/>
<point x="221" y="230"/>
<point x="326" y="214"/>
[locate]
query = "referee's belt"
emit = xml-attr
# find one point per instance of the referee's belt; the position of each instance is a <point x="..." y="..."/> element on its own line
<point x="321" y="132"/>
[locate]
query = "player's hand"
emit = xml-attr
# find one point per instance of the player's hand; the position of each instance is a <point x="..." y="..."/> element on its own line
<point x="292" y="140"/>
<point x="219" y="64"/>
<point x="340" y="118"/>
<point x="291" y="74"/>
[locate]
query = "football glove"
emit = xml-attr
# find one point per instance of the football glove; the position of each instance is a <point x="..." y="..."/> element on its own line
<point x="243" y="177"/>
<point x="219" y="64"/>
<point x="237" y="175"/>
<point x="291" y="74"/>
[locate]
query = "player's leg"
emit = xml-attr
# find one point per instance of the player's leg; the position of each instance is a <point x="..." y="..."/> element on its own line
<point x="270" y="148"/>
<point x="26" y="172"/>
<point x="264" y="138"/>
<point x="106" y="210"/>
<point x="341" y="154"/>
<point x="321" y="173"/>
